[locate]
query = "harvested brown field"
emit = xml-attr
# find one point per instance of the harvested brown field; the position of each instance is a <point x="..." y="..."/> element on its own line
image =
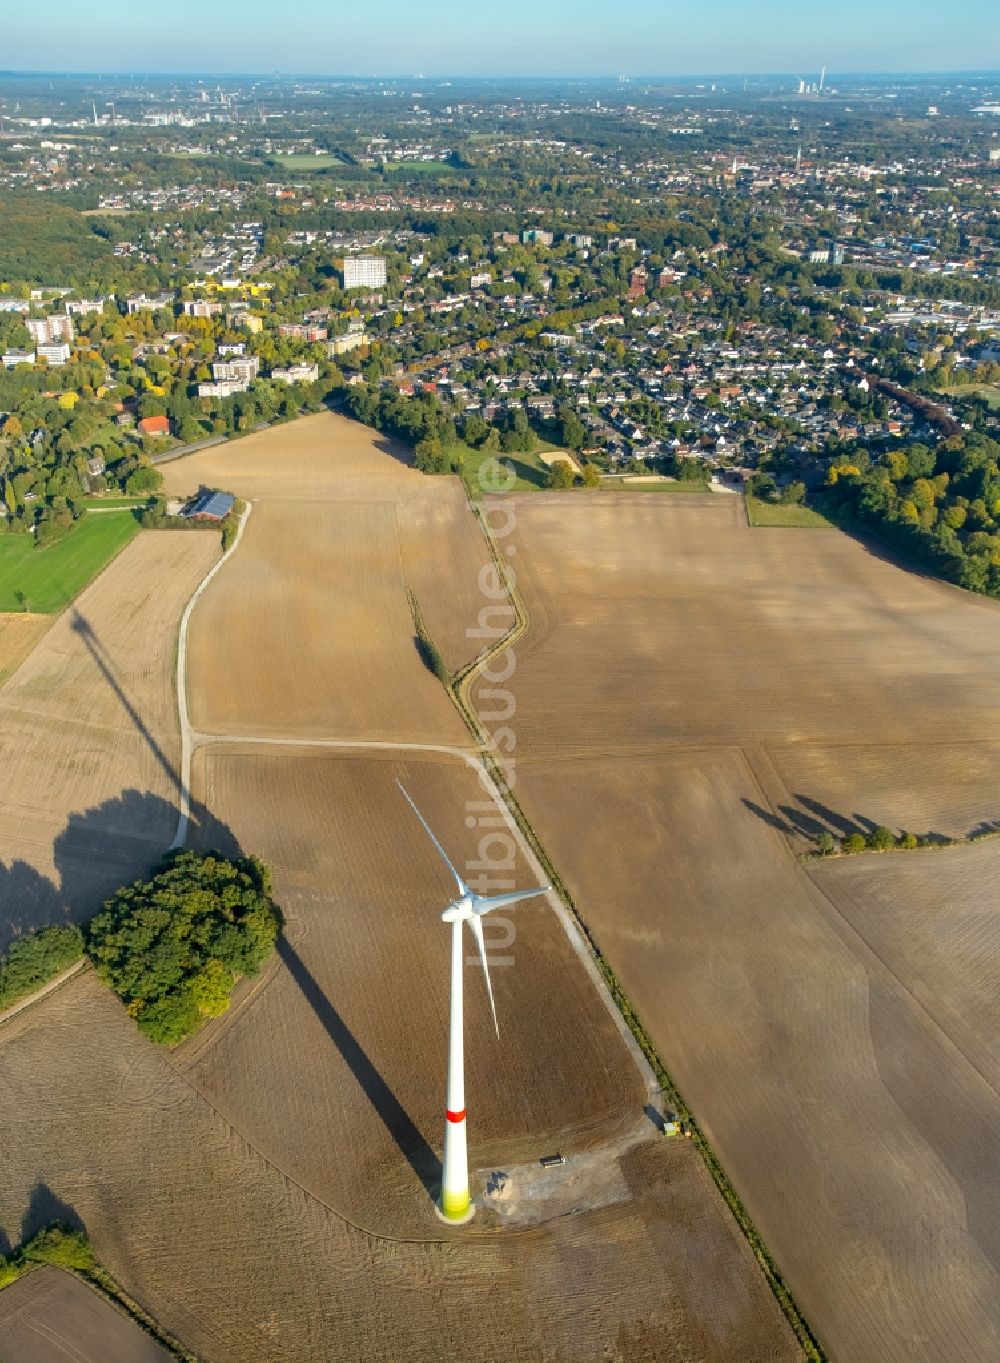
<point x="931" y="788"/>
<point x="18" y="636"/>
<point x="664" y="620"/>
<point x="264" y="1192"/>
<point x="238" y="1262"/>
<point x="50" y="1316"/>
<point x="326" y="459"/>
<point x="684" y="683"/>
<point x="935" y="916"/>
<point x="312" y="618"/>
<point x="88" y="737"/>
<point x="313" y="1062"/>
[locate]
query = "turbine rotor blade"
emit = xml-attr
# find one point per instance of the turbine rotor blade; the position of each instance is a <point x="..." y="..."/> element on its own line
<point x="497" y="901"/>
<point x="477" y="931"/>
<point x="463" y="889"/>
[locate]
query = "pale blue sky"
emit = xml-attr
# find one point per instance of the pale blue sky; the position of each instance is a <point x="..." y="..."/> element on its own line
<point x="505" y="37"/>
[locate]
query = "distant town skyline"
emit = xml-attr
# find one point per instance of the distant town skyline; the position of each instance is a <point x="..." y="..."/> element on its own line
<point x="441" y="38"/>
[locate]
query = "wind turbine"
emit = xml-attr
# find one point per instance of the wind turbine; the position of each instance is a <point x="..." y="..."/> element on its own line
<point x="471" y="908"/>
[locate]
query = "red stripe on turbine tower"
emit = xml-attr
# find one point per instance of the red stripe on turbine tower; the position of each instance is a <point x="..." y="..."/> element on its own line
<point x="455" y="1116"/>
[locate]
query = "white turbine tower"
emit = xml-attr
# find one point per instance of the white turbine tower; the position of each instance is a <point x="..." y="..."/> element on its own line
<point x="456" y="1199"/>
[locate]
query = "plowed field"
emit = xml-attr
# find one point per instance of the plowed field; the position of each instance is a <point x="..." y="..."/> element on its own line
<point x="311" y="616"/>
<point x="265" y="1192"/>
<point x="53" y="1316"/>
<point x="691" y="695"/>
<point x="319" y="460"/>
<point x="18" y="636"/>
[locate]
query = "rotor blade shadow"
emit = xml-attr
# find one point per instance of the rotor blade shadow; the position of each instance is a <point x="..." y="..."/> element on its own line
<point x="82" y="626"/>
<point x="397" y="1121"/>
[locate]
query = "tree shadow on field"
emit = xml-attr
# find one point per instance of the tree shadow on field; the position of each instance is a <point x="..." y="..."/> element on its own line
<point x="44" y="1209"/>
<point x="100" y="850"/>
<point x="397" y="1121"/>
<point x="395" y="449"/>
<point x="770" y="819"/>
<point x="27" y="901"/>
<point x="814" y="818"/>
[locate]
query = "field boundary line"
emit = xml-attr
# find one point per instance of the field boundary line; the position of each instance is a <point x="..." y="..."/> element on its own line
<point x="201" y="739"/>
<point x="49" y="987"/>
<point x="616" y="999"/>
<point x="184" y="813"/>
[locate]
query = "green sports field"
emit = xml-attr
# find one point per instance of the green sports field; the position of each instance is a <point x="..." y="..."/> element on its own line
<point x="46" y="580"/>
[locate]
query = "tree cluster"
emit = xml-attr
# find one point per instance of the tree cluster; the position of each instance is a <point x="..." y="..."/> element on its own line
<point x="419" y="421"/>
<point x="173" y="947"/>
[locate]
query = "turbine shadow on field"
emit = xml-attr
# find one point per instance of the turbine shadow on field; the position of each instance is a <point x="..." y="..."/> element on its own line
<point x="82" y="626"/>
<point x="397" y="1121"/>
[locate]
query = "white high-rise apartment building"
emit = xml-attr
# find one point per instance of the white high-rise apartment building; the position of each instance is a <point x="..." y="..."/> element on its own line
<point x="364" y="272"/>
<point x="54" y="328"/>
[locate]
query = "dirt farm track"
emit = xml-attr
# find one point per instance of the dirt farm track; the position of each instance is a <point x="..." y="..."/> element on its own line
<point x="700" y="699"/>
<point x="265" y="1190"/>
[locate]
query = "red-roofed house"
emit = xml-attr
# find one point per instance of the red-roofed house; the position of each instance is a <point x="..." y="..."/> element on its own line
<point x="155" y="425"/>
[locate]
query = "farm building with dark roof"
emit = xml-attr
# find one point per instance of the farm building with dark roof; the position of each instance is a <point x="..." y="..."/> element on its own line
<point x="209" y="505"/>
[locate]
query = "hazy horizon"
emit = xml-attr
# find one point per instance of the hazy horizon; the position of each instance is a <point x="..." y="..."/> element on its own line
<point x="443" y="39"/>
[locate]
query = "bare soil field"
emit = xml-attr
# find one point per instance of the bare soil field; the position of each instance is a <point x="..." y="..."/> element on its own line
<point x="326" y="459"/>
<point x="18" y="636"/>
<point x="238" y="1262"/>
<point x="312" y="1062"/>
<point x="665" y="620"/>
<point x="52" y="1316"/>
<point x="684" y="683"/>
<point x="307" y="632"/>
<point x="932" y="787"/>
<point x="936" y="916"/>
<point x="88" y="737"/>
<point x="265" y="1191"/>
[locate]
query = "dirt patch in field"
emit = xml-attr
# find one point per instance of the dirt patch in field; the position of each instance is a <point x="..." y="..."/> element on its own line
<point x="53" y="1316"/>
<point x="89" y="739"/>
<point x="689" y="696"/>
<point x="18" y="636"/>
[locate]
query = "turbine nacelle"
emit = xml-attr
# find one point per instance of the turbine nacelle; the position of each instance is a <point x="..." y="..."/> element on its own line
<point x="459" y="909"/>
<point x="472" y="907"/>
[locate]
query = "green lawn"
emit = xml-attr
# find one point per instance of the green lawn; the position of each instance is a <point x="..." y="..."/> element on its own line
<point x="980" y="390"/>
<point x="46" y="580"/>
<point x="530" y="473"/>
<point x="774" y="513"/>
<point x="115" y="502"/>
<point x="305" y="161"/>
<point x="422" y="167"/>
